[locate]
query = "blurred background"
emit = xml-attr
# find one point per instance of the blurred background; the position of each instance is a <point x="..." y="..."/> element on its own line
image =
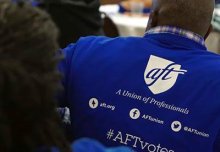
<point x="131" y="16"/>
<point x="76" y="18"/>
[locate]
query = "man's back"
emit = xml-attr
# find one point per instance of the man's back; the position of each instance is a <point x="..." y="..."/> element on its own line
<point x="159" y="93"/>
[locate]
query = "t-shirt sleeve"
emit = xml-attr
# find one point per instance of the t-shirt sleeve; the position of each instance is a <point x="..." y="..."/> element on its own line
<point x="64" y="68"/>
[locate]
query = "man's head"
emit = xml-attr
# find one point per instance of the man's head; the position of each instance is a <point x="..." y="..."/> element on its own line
<point x="193" y="15"/>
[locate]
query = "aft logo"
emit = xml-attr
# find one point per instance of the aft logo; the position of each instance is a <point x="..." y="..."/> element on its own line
<point x="161" y="74"/>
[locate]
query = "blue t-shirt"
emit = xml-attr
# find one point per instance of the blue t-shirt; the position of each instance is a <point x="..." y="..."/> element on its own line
<point x="158" y="93"/>
<point x="88" y="145"/>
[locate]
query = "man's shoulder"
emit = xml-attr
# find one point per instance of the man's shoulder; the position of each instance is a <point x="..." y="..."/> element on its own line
<point x="209" y="63"/>
<point x="89" y="39"/>
<point x="212" y="59"/>
<point x="100" y="43"/>
<point x="103" y="38"/>
<point x="103" y="41"/>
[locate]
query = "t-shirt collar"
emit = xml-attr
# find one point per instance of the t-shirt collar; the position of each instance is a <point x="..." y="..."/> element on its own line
<point x="177" y="31"/>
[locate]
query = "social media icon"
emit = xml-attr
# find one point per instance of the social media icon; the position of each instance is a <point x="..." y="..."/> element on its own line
<point x="134" y="113"/>
<point x="93" y="103"/>
<point x="176" y="126"/>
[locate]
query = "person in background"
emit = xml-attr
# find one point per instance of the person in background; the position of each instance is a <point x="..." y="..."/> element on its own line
<point x="126" y="6"/>
<point x="159" y="92"/>
<point x="28" y="83"/>
<point x="74" y="18"/>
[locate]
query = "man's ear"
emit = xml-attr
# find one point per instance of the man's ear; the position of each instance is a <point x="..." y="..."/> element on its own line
<point x="208" y="32"/>
<point x="153" y="20"/>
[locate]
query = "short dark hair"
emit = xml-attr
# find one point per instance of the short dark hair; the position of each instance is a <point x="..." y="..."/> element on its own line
<point x="194" y="15"/>
<point x="28" y="80"/>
